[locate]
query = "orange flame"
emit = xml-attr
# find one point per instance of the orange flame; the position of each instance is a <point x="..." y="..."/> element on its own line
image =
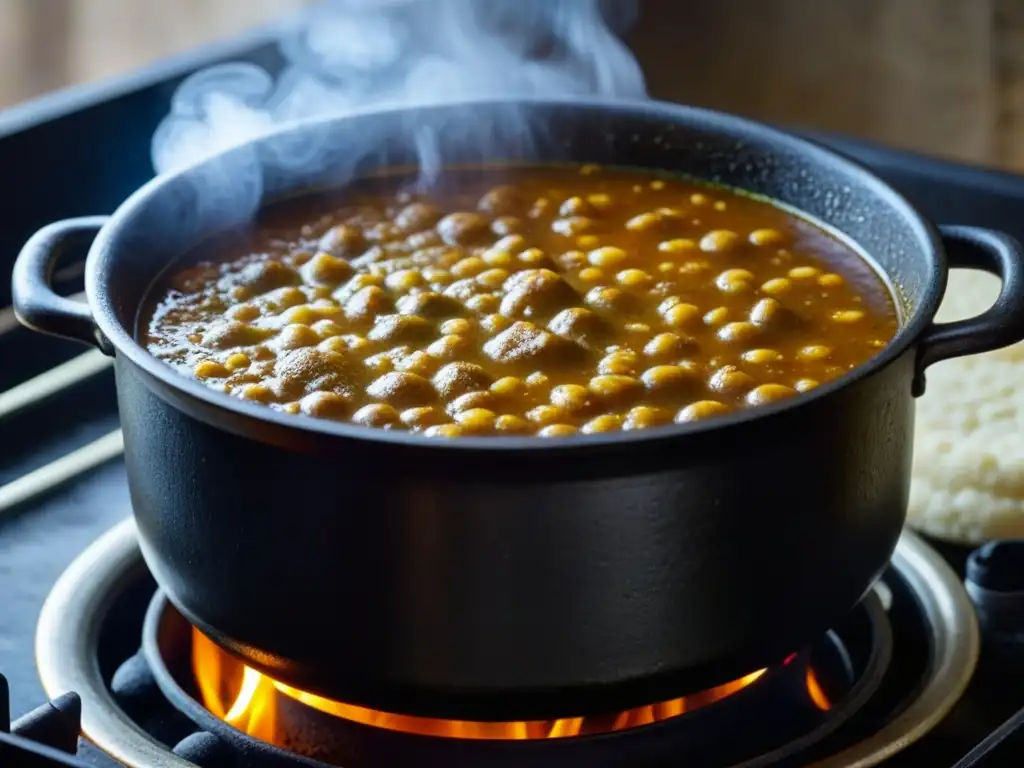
<point x="247" y="699"/>
<point x="816" y="692"/>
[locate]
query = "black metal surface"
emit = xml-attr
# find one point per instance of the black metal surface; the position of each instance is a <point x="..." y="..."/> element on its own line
<point x="1002" y="748"/>
<point x="1000" y="325"/>
<point x="46" y="736"/>
<point x="995" y="583"/>
<point x="55" y="723"/>
<point x="19" y="752"/>
<point x="5" y="706"/>
<point x="998" y="567"/>
<point x="40" y="150"/>
<point x="50" y="312"/>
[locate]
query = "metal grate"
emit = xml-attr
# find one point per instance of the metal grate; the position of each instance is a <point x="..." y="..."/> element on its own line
<point x="50" y="419"/>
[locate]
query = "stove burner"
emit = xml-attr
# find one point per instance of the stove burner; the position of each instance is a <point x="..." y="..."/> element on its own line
<point x="249" y="701"/>
<point x="89" y="629"/>
<point x="778" y="714"/>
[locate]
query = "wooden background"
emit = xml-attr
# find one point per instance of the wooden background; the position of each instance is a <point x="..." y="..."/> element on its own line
<point x="941" y="76"/>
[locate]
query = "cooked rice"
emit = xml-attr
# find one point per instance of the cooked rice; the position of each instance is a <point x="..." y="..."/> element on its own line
<point x="968" y="477"/>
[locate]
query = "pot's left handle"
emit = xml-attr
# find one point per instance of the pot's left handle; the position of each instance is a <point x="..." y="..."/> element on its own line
<point x="36" y="304"/>
<point x="999" y="326"/>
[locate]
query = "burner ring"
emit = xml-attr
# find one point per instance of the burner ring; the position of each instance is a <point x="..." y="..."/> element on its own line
<point x="166" y="632"/>
<point x="70" y="622"/>
<point x="67" y="637"/>
<point x="955" y="649"/>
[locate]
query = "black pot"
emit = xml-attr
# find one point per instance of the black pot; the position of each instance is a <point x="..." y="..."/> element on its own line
<point x="518" y="578"/>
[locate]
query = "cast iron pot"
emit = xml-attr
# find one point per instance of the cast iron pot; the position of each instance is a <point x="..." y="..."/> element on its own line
<point x="517" y="578"/>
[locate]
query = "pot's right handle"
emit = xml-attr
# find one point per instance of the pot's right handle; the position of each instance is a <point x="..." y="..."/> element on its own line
<point x="1002" y="324"/>
<point x="36" y="304"/>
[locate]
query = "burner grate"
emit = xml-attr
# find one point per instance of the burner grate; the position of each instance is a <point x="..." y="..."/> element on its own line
<point x="46" y="736"/>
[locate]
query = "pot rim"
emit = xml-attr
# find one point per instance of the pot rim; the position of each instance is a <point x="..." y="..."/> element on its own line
<point x="920" y="315"/>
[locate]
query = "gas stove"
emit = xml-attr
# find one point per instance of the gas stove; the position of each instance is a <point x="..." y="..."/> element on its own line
<point x="100" y="670"/>
<point x="884" y="676"/>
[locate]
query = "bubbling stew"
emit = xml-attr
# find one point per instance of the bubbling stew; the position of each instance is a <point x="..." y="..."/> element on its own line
<point x="538" y="300"/>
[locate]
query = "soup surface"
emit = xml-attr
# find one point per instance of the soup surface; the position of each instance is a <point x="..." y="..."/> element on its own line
<point x="543" y="300"/>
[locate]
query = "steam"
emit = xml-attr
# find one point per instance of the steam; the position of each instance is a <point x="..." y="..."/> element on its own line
<point x="356" y="55"/>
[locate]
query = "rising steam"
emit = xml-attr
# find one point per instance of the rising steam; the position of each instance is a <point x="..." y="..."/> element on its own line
<point x="348" y="55"/>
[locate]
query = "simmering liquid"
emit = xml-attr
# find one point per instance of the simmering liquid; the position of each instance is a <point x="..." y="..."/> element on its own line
<point x="546" y="300"/>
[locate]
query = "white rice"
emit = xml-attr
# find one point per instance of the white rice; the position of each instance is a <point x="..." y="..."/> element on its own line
<point x="968" y="477"/>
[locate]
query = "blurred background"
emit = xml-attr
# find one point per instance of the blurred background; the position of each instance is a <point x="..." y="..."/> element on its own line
<point x="941" y="76"/>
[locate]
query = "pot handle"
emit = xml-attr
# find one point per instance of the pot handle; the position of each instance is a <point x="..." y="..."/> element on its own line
<point x="36" y="304"/>
<point x="999" y="326"/>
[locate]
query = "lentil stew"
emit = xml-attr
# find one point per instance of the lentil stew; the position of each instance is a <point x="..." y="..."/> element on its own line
<point x="547" y="300"/>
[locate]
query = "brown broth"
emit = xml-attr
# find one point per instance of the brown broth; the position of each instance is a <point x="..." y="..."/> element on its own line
<point x="527" y="300"/>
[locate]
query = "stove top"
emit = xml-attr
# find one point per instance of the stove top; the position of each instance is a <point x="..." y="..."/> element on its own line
<point x="62" y="483"/>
